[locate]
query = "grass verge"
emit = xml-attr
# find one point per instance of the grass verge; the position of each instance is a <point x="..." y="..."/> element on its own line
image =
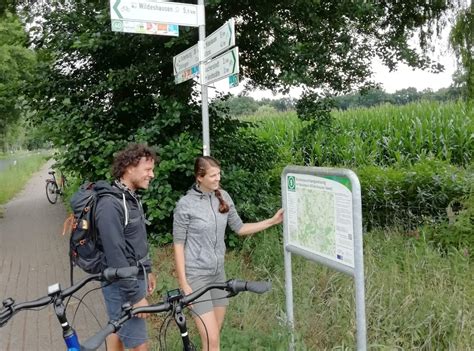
<point x="14" y="178"/>
<point x="417" y="298"/>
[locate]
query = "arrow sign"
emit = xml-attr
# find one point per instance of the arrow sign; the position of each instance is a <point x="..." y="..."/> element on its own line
<point x="217" y="42"/>
<point x="222" y="66"/>
<point x="220" y="40"/>
<point x="153" y="11"/>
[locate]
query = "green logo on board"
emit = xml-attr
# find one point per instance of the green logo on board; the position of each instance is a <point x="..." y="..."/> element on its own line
<point x="291" y="183"/>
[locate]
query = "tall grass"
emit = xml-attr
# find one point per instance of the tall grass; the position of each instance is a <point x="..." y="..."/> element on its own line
<point x="416" y="298"/>
<point x="15" y="177"/>
<point x="281" y="131"/>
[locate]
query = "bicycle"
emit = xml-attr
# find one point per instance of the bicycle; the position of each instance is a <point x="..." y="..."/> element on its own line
<point x="56" y="297"/>
<point x="53" y="188"/>
<point x="174" y="301"/>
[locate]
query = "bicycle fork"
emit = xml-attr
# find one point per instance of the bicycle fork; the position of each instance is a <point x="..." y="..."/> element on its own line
<point x="69" y="334"/>
<point x="180" y="320"/>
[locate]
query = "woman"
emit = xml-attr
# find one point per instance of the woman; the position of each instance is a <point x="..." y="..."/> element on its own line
<point x="200" y="221"/>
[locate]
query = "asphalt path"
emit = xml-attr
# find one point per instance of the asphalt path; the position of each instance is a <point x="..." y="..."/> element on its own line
<point x="34" y="255"/>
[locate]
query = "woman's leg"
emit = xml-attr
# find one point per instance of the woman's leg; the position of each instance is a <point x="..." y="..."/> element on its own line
<point x="209" y="331"/>
<point x="114" y="343"/>
<point x="220" y="314"/>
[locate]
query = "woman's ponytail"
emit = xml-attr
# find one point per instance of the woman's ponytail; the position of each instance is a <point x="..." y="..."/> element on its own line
<point x="223" y="206"/>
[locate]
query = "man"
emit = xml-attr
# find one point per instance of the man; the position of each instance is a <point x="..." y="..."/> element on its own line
<point x="121" y="227"/>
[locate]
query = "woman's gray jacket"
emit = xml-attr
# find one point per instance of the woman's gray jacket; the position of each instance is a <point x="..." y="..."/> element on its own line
<point x="200" y="227"/>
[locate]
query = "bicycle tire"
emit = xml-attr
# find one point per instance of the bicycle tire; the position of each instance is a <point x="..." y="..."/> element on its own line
<point x="52" y="192"/>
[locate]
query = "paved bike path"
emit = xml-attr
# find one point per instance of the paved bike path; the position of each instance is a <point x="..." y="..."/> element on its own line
<point x="33" y="255"/>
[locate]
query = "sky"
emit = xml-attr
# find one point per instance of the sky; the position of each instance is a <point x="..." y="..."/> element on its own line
<point x="403" y="77"/>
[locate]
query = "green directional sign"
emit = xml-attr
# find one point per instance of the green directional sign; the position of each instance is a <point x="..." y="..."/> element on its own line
<point x="222" y="66"/>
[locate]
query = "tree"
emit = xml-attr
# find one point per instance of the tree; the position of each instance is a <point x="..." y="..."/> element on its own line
<point x="239" y="105"/>
<point x="329" y="44"/>
<point x="462" y="41"/>
<point x="405" y="96"/>
<point x="97" y="89"/>
<point x="16" y="65"/>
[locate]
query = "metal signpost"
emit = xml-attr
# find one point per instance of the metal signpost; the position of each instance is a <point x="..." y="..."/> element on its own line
<point x="163" y="18"/>
<point x="323" y="223"/>
<point x="200" y="60"/>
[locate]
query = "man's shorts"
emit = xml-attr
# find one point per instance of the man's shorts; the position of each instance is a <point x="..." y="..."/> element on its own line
<point x="133" y="333"/>
<point x="212" y="298"/>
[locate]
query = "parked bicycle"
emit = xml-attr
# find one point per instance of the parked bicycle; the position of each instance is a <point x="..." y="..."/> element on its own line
<point x="174" y="302"/>
<point x="54" y="188"/>
<point x="56" y="297"/>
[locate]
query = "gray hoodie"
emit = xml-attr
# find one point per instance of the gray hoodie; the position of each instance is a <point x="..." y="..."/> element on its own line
<point x="200" y="226"/>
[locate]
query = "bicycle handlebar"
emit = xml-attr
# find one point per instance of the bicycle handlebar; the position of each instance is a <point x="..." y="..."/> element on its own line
<point x="233" y="286"/>
<point x="109" y="274"/>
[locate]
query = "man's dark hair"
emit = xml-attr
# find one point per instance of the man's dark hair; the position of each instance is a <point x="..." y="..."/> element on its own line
<point x="131" y="156"/>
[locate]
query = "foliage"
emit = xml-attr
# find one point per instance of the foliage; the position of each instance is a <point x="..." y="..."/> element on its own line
<point x="400" y="154"/>
<point x="409" y="196"/>
<point x="328" y="44"/>
<point x="238" y="105"/>
<point x="16" y="65"/>
<point x="462" y="41"/>
<point x="456" y="230"/>
<point x="243" y="105"/>
<point x="376" y="96"/>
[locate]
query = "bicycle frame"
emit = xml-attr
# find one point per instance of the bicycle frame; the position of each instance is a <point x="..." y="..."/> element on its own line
<point x="176" y="302"/>
<point x="56" y="297"/>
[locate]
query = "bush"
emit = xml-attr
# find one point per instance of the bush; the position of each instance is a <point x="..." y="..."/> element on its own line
<point x="409" y="196"/>
<point x="456" y="231"/>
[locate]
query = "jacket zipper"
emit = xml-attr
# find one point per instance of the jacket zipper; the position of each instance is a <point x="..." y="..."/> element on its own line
<point x="215" y="242"/>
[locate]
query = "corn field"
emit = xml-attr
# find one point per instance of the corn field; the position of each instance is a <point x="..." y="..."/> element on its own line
<point x="384" y="135"/>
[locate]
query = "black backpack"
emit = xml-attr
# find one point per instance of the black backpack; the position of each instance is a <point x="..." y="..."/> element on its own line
<point x="85" y="249"/>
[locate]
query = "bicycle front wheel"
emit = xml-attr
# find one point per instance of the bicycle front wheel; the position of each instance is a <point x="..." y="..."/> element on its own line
<point x="52" y="192"/>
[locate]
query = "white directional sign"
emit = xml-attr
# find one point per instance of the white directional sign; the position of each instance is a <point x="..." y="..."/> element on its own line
<point x="222" y="66"/>
<point x="187" y="59"/>
<point x="220" y="40"/>
<point x="155" y="11"/>
<point x="145" y="28"/>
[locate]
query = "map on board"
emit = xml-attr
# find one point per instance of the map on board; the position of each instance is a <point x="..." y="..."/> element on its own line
<point x="319" y="212"/>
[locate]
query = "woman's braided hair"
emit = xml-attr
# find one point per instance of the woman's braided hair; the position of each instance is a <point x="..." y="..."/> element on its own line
<point x="201" y="165"/>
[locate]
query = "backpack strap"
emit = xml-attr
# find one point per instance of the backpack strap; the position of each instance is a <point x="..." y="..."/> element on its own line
<point x="124" y="203"/>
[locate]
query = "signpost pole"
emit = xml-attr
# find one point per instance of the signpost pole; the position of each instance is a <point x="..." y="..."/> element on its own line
<point x="206" y="148"/>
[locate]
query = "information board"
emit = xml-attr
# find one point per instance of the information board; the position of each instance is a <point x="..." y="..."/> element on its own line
<point x="319" y="212"/>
